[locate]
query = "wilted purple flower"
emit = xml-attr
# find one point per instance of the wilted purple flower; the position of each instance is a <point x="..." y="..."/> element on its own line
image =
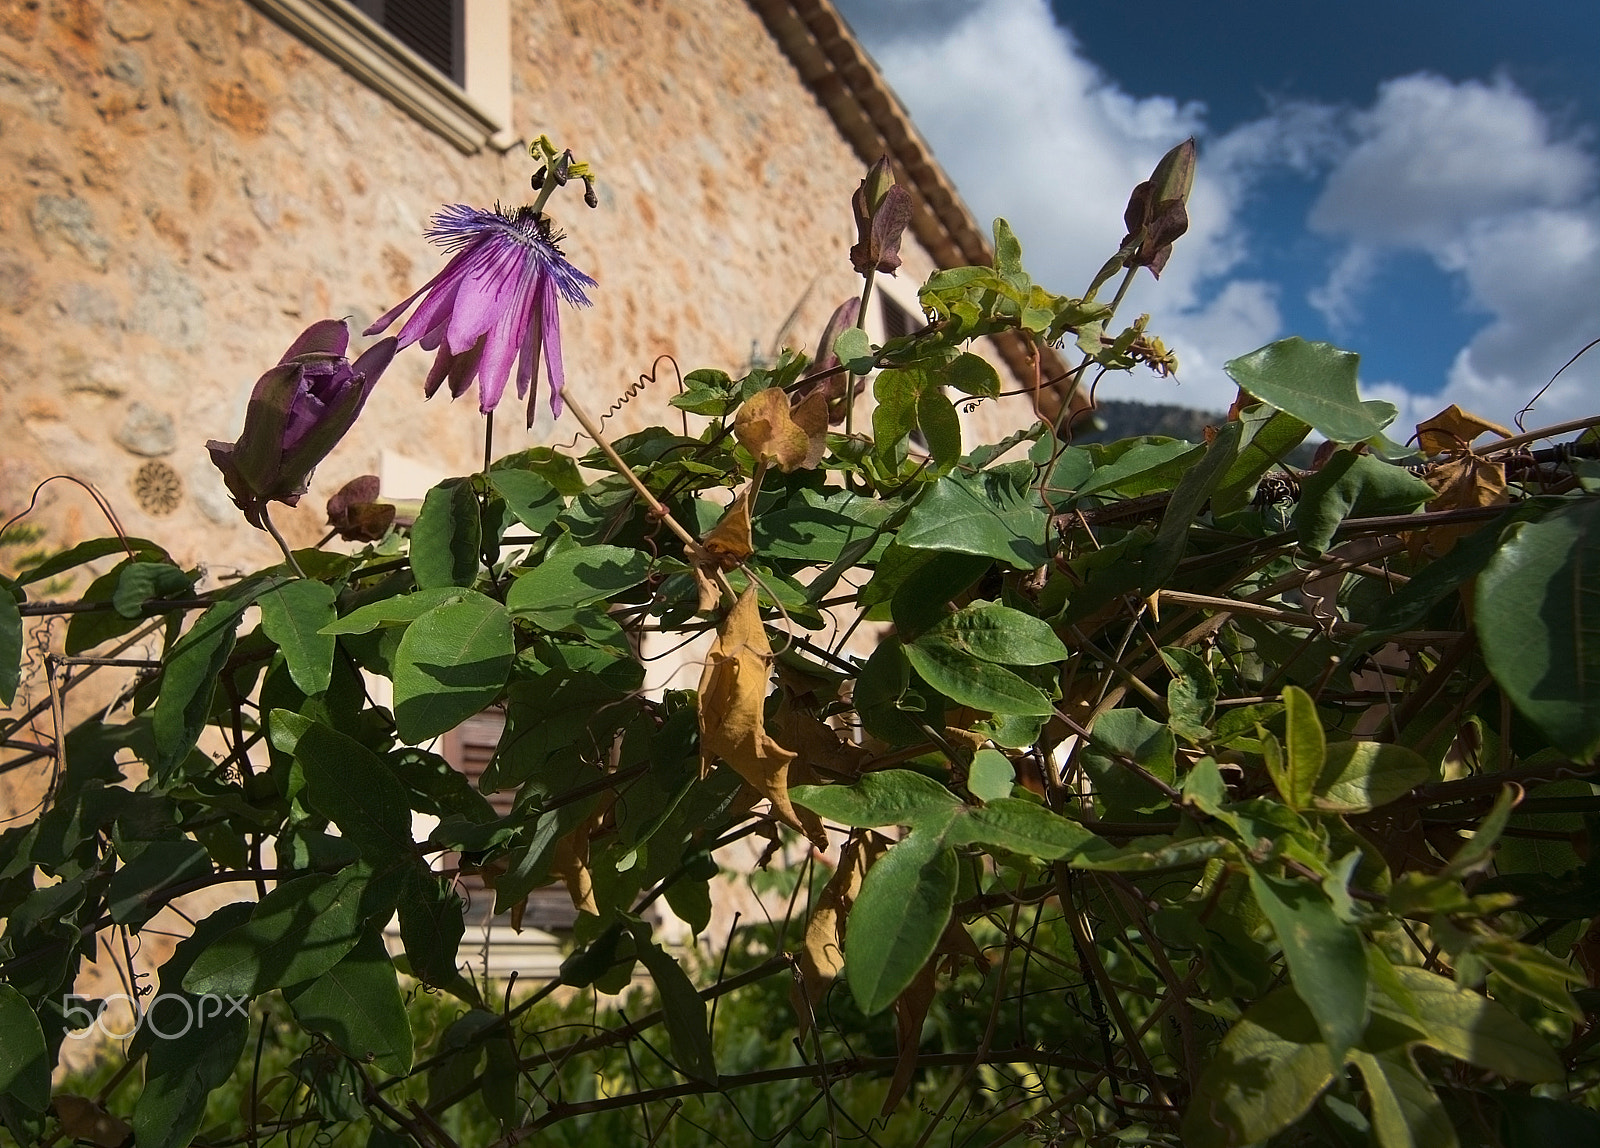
<point x="298" y="412"/>
<point x="494" y="302"/>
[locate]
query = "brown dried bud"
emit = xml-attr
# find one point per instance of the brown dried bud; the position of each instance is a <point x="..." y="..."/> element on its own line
<point x="882" y="210"/>
<point x="355" y="512"/>
<point x="1157" y="213"/>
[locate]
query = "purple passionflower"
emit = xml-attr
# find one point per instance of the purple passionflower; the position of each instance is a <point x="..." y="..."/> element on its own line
<point x="494" y="302"/>
<point x="298" y="412"/>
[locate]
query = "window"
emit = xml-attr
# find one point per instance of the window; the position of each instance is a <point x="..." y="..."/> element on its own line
<point x="897" y="321"/>
<point x="433" y="29"/>
<point x="446" y="63"/>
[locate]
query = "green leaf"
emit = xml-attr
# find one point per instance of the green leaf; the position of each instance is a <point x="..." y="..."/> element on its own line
<point x="1362" y="775"/>
<point x="10" y="641"/>
<point x="1326" y="957"/>
<point x="1405" y="1111"/>
<point x="1316" y="383"/>
<point x="577" y="577"/>
<point x="681" y="1005"/>
<point x="528" y="496"/>
<point x="883" y="797"/>
<point x="189" y="682"/>
<point x="1007" y="250"/>
<point x="941" y="427"/>
<point x="812" y="534"/>
<point x="1020" y="826"/>
<point x="1160" y="559"/>
<point x="992" y="775"/>
<point x="447" y="536"/>
<point x="298" y="931"/>
<point x="1538" y="618"/>
<point x="397" y="611"/>
<point x="1191" y="695"/>
<point x="88" y="552"/>
<point x="1266" y="1074"/>
<point x="1296" y="775"/>
<point x="188" y="1059"/>
<point x="1127" y="733"/>
<point x="963" y="678"/>
<point x="150" y="868"/>
<point x="1144" y="467"/>
<point x="854" y="350"/>
<point x="452" y="663"/>
<point x="357" y="1005"/>
<point x="1353" y="485"/>
<point x="553" y="466"/>
<point x="1269" y="436"/>
<point x="897" y="919"/>
<point x="141" y="581"/>
<point x="1471" y="1027"/>
<point x="978" y="514"/>
<point x="24" y="1062"/>
<point x="354" y="788"/>
<point x="973" y="375"/>
<point x="994" y="633"/>
<point x="432" y="923"/>
<point x="293" y="616"/>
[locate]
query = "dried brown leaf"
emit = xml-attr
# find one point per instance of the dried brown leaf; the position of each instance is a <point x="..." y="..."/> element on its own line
<point x="1455" y="429"/>
<point x="733" y="693"/>
<point x="910" y="1012"/>
<point x="84" y="1121"/>
<point x="570" y="862"/>
<point x="728" y="543"/>
<point x="821" y="956"/>
<point x="767" y="428"/>
<point x="1463" y="483"/>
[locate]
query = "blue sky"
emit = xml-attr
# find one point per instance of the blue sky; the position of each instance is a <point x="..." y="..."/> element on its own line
<point x="1418" y="181"/>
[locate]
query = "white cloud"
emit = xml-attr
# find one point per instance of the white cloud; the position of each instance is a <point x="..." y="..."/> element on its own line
<point x="1435" y="158"/>
<point x="1473" y="176"/>
<point x="1032" y="130"/>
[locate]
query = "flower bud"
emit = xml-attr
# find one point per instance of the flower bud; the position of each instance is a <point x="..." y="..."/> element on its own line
<point x="1157" y="213"/>
<point x="298" y="412"/>
<point x="882" y="209"/>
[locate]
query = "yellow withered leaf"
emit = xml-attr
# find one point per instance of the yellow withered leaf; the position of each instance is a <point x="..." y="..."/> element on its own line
<point x="570" y="862"/>
<point x="1455" y="429"/>
<point x="1463" y="483"/>
<point x="791" y="439"/>
<point x="821" y="956"/>
<point x="85" y="1122"/>
<point x="733" y="692"/>
<point x="728" y="543"/>
<point x="911" y="1007"/>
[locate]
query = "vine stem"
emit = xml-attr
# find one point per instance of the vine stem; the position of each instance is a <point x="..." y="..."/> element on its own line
<point x="288" y="554"/>
<point x="861" y="322"/>
<point x="592" y="429"/>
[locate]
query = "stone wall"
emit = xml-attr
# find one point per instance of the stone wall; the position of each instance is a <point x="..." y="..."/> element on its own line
<point x="184" y="185"/>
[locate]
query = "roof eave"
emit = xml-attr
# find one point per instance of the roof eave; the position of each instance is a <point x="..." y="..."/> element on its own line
<point x="871" y="119"/>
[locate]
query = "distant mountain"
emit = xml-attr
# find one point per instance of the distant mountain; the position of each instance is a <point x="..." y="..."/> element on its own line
<point x="1116" y="419"/>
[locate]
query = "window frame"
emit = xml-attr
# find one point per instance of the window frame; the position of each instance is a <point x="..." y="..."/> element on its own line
<point x="471" y="116"/>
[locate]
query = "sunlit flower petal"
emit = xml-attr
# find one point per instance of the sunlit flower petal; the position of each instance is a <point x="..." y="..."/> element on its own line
<point x="494" y="306"/>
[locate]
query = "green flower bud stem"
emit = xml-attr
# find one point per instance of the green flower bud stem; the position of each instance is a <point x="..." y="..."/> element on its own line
<point x="861" y="321"/>
<point x="266" y="520"/>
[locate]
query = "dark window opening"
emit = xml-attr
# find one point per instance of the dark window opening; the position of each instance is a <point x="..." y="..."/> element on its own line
<point x="433" y="29"/>
<point x="897" y="321"/>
